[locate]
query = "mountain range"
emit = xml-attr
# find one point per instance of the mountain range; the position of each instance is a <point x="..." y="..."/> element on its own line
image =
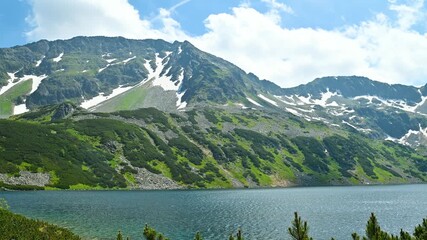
<point x="98" y="112"/>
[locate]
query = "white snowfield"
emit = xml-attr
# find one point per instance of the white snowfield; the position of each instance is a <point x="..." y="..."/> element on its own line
<point x="112" y="62"/>
<point x="242" y="106"/>
<point x="37" y="80"/>
<point x="253" y="102"/>
<point x="154" y="75"/>
<point x="10" y="83"/>
<point x="127" y="60"/>
<point x="302" y="100"/>
<point x="179" y="103"/>
<point x="59" y="58"/>
<point x="281" y="98"/>
<point x="14" y="81"/>
<point x="19" y="109"/>
<point x="165" y="81"/>
<point x="365" y="130"/>
<point x="268" y="100"/>
<point x="102" y="98"/>
<point x="324" y="99"/>
<point x="294" y="112"/>
<point x="400" y="104"/>
<point x="39" y="61"/>
<point x="404" y="140"/>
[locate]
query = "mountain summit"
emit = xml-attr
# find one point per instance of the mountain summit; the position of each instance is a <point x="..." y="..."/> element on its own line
<point x="111" y="74"/>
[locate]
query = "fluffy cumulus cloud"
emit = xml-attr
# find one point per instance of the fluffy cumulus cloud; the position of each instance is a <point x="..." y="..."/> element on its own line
<point x="63" y="19"/>
<point x="384" y="48"/>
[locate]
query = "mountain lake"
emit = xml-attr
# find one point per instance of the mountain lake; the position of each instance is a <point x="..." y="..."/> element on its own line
<point x="260" y="213"/>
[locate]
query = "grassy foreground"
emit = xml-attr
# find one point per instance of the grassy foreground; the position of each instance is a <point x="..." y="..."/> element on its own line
<point x="13" y="226"/>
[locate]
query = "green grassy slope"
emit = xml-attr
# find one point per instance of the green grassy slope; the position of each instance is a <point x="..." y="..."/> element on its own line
<point x="8" y="99"/>
<point x="13" y="226"/>
<point x="200" y="148"/>
<point x="132" y="99"/>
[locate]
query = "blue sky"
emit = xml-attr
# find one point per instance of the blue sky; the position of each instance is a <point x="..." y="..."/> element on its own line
<point x="327" y="14"/>
<point x="286" y="41"/>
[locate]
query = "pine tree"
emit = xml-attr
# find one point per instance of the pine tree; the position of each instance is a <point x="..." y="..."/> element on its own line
<point x="149" y="233"/>
<point x="299" y="229"/>
<point x="119" y="236"/>
<point x="405" y="235"/>
<point x="355" y="236"/>
<point x="421" y="231"/>
<point x="239" y="234"/>
<point x="198" y="236"/>
<point x="372" y="228"/>
<point x="231" y="237"/>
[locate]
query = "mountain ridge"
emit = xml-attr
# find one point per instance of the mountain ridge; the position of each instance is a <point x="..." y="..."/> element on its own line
<point x="147" y="114"/>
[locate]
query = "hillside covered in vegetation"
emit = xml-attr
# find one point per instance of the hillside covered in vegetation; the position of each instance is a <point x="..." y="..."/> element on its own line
<point x="14" y="226"/>
<point x="65" y="147"/>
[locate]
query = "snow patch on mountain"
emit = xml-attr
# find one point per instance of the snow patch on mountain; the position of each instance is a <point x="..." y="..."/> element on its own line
<point x="281" y="98"/>
<point x="110" y="60"/>
<point x="254" y="102"/>
<point x="341" y="111"/>
<point x="301" y="100"/>
<point x="413" y="138"/>
<point x="179" y="103"/>
<point x="397" y="103"/>
<point x="163" y="80"/>
<point x="305" y="110"/>
<point x="152" y="75"/>
<point x="102" y="69"/>
<point x="39" y="61"/>
<point x="242" y="106"/>
<point x="127" y="60"/>
<point x="364" y="130"/>
<point x="14" y="81"/>
<point x="405" y="107"/>
<point x="10" y="83"/>
<point x="294" y="112"/>
<point x="268" y="100"/>
<point x="19" y="109"/>
<point x="368" y="98"/>
<point x="325" y="96"/>
<point x="102" y="98"/>
<point x="59" y="58"/>
<point x="37" y="80"/>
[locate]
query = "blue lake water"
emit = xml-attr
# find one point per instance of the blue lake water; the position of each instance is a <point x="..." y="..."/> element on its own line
<point x="261" y="213"/>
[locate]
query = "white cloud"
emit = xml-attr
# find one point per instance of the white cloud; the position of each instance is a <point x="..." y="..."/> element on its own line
<point x="383" y="48"/>
<point x="278" y="6"/>
<point x="62" y="19"/>
<point x="408" y="15"/>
